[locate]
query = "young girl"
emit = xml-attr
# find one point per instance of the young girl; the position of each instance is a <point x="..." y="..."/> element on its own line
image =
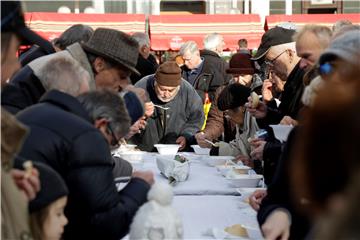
<point x="47" y="219"/>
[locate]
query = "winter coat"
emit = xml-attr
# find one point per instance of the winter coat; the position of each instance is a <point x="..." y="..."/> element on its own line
<point x="35" y="52"/>
<point x="26" y="88"/>
<point x="62" y="136"/>
<point x="207" y="81"/>
<point x="145" y="67"/>
<point x="14" y="205"/>
<point x="184" y="117"/>
<point x="240" y="145"/>
<point x="214" y="59"/>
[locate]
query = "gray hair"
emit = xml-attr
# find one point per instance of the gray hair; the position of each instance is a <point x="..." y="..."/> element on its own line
<point x="142" y="39"/>
<point x="189" y="46"/>
<point x="76" y="33"/>
<point x="109" y="105"/>
<point x="65" y="74"/>
<point x="322" y="33"/>
<point x="340" y="23"/>
<point x="212" y="41"/>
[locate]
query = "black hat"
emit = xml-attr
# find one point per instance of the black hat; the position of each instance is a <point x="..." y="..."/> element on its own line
<point x="240" y="63"/>
<point x="233" y="96"/>
<point x="12" y="20"/>
<point x="275" y="36"/>
<point x="52" y="188"/>
<point x="114" y="45"/>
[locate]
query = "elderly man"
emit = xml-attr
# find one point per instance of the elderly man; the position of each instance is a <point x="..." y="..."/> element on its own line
<point x="109" y="57"/>
<point x="199" y="72"/>
<point x="213" y="49"/>
<point x="146" y="63"/>
<point x="180" y="114"/>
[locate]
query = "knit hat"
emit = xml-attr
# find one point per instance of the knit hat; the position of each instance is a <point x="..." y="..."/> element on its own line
<point x="114" y="45"/>
<point x="52" y="188"/>
<point x="12" y="20"/>
<point x="168" y="74"/>
<point x="134" y="106"/>
<point x="233" y="96"/>
<point x="240" y="63"/>
<point x="346" y="46"/>
<point x="273" y="37"/>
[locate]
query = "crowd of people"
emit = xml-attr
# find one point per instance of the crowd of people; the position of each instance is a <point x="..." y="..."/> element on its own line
<point x="68" y="103"/>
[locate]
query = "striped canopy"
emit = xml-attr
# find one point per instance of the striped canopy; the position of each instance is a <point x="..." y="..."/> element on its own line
<point x="302" y="19"/>
<point x="51" y="25"/>
<point x="168" y="32"/>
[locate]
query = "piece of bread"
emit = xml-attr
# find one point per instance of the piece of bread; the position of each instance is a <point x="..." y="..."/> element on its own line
<point x="28" y="167"/>
<point x="237" y="230"/>
<point x="255" y="99"/>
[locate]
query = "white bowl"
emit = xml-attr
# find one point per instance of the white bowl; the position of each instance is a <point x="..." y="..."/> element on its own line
<point x="201" y="151"/>
<point x="224" y="169"/>
<point x="216" y="160"/>
<point x="244" y="180"/>
<point x="135" y="158"/>
<point x="167" y="149"/>
<point x="281" y="132"/>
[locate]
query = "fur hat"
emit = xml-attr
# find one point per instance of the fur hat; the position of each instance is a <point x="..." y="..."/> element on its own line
<point x="275" y="36"/>
<point x="52" y="188"/>
<point x="233" y="96"/>
<point x="114" y="45"/>
<point x="168" y="74"/>
<point x="240" y="63"/>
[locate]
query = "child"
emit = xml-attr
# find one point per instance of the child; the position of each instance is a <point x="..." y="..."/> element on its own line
<point x="47" y="219"/>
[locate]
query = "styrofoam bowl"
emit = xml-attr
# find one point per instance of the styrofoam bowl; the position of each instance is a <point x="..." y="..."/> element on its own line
<point x="201" y="151"/>
<point x="224" y="169"/>
<point x="132" y="155"/>
<point x="167" y="149"/>
<point x="244" y="180"/>
<point x="216" y="160"/>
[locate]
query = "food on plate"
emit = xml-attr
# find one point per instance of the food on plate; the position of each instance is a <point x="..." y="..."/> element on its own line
<point x="255" y="99"/>
<point x="237" y="230"/>
<point x="28" y="166"/>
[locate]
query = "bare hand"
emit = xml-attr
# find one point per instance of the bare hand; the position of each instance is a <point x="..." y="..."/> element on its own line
<point x="256" y="198"/>
<point x="136" y="127"/>
<point x="277" y="226"/>
<point x="287" y="120"/>
<point x="259" y="111"/>
<point x="149" y="109"/>
<point x="258" y="148"/>
<point x="245" y="160"/>
<point x="200" y="139"/>
<point x="147" y="176"/>
<point x="267" y="91"/>
<point x="30" y="184"/>
<point x="182" y="141"/>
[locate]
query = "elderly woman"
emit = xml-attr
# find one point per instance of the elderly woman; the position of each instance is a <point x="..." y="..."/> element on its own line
<point x="231" y="101"/>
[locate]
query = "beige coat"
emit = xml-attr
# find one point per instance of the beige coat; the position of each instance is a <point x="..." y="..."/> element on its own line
<point x="14" y="205"/>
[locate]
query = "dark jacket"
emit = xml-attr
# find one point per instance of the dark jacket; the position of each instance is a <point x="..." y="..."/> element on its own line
<point x="25" y="87"/>
<point x="207" y="81"/>
<point x="35" y="52"/>
<point x="279" y="194"/>
<point x="214" y="59"/>
<point x="184" y="117"/>
<point x="145" y="67"/>
<point x="62" y="138"/>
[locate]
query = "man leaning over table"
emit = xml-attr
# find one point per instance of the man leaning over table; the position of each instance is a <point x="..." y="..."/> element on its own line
<point x="184" y="115"/>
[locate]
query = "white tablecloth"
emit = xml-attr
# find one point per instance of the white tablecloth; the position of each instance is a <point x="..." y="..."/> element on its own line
<point x="200" y="213"/>
<point x="203" y="179"/>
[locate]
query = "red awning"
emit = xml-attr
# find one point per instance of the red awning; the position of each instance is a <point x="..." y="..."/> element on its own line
<point x="168" y="32"/>
<point x="51" y="25"/>
<point x="303" y="19"/>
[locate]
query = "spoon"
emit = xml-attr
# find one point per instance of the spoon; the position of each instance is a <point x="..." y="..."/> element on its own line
<point x="158" y="106"/>
<point x="213" y="144"/>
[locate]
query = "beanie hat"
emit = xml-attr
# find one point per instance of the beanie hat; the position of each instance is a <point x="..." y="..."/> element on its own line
<point x="168" y="74"/>
<point x="134" y="106"/>
<point x="233" y="96"/>
<point x="346" y="47"/>
<point x="52" y="188"/>
<point x="240" y="63"/>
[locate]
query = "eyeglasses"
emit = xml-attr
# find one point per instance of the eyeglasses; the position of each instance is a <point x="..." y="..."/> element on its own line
<point x="114" y="141"/>
<point x="272" y="62"/>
